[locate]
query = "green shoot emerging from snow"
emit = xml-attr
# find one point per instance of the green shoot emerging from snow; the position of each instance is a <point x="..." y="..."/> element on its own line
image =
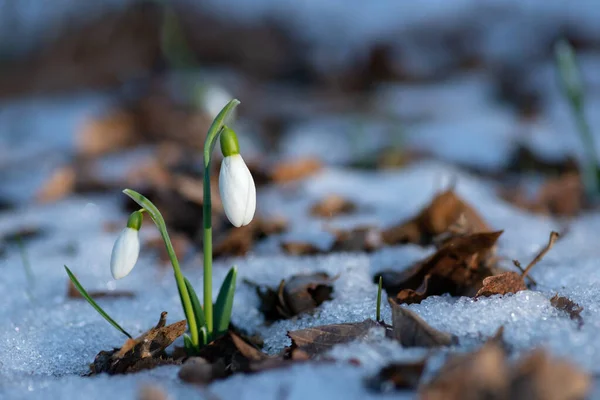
<point x="572" y="87"/>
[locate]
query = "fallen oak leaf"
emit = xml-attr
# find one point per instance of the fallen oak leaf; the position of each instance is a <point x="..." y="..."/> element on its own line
<point x="444" y="210"/>
<point x="457" y="268"/>
<point x="567" y="305"/>
<point x="319" y="339"/>
<point x="507" y="282"/>
<point x="412" y="331"/>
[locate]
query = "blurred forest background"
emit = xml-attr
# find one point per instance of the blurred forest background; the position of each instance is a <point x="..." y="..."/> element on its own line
<point x="97" y="95"/>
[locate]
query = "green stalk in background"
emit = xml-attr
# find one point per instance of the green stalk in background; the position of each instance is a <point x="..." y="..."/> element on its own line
<point x="572" y="87"/>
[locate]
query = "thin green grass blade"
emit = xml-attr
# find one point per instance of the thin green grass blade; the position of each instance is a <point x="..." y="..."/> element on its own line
<point x="198" y="311"/>
<point x="378" y="312"/>
<point x="224" y="304"/>
<point x="94" y="304"/>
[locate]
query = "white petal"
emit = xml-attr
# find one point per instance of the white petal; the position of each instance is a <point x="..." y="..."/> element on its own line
<point x="238" y="193"/>
<point x="250" y="200"/>
<point x="125" y="253"/>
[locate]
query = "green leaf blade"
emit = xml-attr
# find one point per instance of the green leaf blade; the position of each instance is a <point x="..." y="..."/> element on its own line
<point x="95" y="305"/>
<point x="224" y="304"/>
<point x="196" y="306"/>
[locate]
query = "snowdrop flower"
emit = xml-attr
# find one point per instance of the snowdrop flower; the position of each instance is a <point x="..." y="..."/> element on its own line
<point x="238" y="193"/>
<point x="127" y="247"/>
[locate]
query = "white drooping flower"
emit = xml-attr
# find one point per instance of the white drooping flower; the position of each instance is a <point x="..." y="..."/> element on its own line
<point x="238" y="193"/>
<point x="127" y="248"/>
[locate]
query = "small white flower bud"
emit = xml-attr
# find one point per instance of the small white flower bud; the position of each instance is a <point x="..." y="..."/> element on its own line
<point x="125" y="253"/>
<point x="238" y="193"/>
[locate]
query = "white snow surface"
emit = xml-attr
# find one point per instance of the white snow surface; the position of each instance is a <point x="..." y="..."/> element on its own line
<point x="47" y="340"/>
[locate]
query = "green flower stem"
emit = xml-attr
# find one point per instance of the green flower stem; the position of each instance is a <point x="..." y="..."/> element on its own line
<point x="209" y="145"/>
<point x="160" y="224"/>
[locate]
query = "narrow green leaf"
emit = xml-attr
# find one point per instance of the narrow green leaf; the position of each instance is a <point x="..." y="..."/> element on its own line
<point x="188" y="345"/>
<point x="224" y="304"/>
<point x="378" y="312"/>
<point x="196" y="306"/>
<point x="94" y="304"/>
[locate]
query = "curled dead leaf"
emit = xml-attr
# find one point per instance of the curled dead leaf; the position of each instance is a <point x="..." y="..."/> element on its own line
<point x="569" y="306"/>
<point x="446" y="209"/>
<point x="397" y="376"/>
<point x="144" y="352"/>
<point x="457" y="268"/>
<point x="331" y="206"/>
<point x="412" y="331"/>
<point x="507" y="282"/>
<point x="296" y="295"/>
<point x="480" y="375"/>
<point x="319" y="339"/>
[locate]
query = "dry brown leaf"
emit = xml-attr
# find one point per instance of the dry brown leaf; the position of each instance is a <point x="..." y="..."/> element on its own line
<point x="239" y="241"/>
<point x="247" y="350"/>
<point x="397" y="376"/>
<point x="111" y="132"/>
<point x="560" y="196"/>
<point x="296" y="295"/>
<point x="457" y="268"/>
<point x="293" y="170"/>
<point x="300" y="248"/>
<point x="444" y="210"/>
<point x="198" y="371"/>
<point x="60" y="184"/>
<point x="151" y="392"/>
<point x="144" y="352"/>
<point x="317" y="340"/>
<point x="359" y="239"/>
<point x="412" y="331"/>
<point x="507" y="282"/>
<point x="569" y="306"/>
<point x="481" y="375"/>
<point x="332" y="206"/>
<point x="537" y="376"/>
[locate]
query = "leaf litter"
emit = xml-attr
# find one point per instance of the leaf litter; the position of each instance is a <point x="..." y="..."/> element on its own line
<point x="296" y="295"/>
<point x="144" y="352"/>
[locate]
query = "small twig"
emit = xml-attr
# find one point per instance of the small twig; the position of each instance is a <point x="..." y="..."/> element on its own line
<point x="553" y="237"/>
<point x="518" y="265"/>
